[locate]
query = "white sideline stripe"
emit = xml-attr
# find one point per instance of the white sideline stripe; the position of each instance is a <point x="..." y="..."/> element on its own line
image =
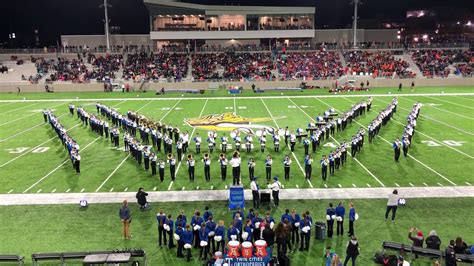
<point x="59" y="166"/>
<point x="26" y="130"/>
<point x="411" y="184"/>
<point x="55" y="137"/>
<point x="243" y="97"/>
<point x="440" y="142"/>
<point x="440" y="122"/>
<point x="20" y="118"/>
<point x="294" y="156"/>
<point x="426" y="166"/>
<point x="171" y="184"/>
<point x="363" y="166"/>
<point x="462" y="105"/>
<point x="123" y="161"/>
<point x="467" y="183"/>
<point x="10" y="191"/>
<point x="11" y="111"/>
<point x="82" y="190"/>
<point x="68" y="190"/>
<point x="190" y="138"/>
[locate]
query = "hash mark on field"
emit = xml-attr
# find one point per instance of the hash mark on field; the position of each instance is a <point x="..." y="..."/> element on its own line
<point x="297" y="186"/>
<point x="339" y="185"/>
<point x="325" y="185"/>
<point x="171" y="184"/>
<point x="354" y="185"/>
<point x="54" y="190"/>
<point x="411" y="184"/>
<point x="439" y="184"/>
<point x="396" y="184"/>
<point x="67" y="191"/>
<point x="11" y="190"/>
<point x="197" y="188"/>
<point x="182" y="188"/>
<point x="39" y="191"/>
<point x="225" y="187"/>
<point x="368" y="185"/>
<point x="82" y="190"/>
<point x="112" y="189"/>
<point x="125" y="190"/>
<point x="154" y="189"/>
<point x="467" y="183"/>
<point x="310" y="184"/>
<point x="425" y="184"/>
<point x="282" y="186"/>
<point x="212" y="187"/>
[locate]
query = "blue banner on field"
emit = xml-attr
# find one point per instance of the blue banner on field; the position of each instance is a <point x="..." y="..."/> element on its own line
<point x="236" y="197"/>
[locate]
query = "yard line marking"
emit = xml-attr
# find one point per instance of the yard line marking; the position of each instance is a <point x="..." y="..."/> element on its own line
<point x="440" y="142"/>
<point x="113" y="172"/>
<point x="154" y="189"/>
<point x="243" y="97"/>
<point x="464" y="98"/>
<point x="23" y="117"/>
<point x="54" y="190"/>
<point x="396" y="184"/>
<point x="125" y="190"/>
<point x="39" y="191"/>
<point x="59" y="166"/>
<point x="82" y="190"/>
<point x="440" y="122"/>
<point x="418" y="161"/>
<point x="68" y="190"/>
<point x="11" y="190"/>
<point x="462" y="105"/>
<point x="55" y="137"/>
<point x="190" y="137"/>
<point x="369" y="185"/>
<point x="26" y="130"/>
<point x="10" y="111"/>
<point x="112" y="189"/>
<point x="467" y="183"/>
<point x="444" y="110"/>
<point x="439" y="184"/>
<point x="411" y="184"/>
<point x="425" y="184"/>
<point x="354" y="185"/>
<point x="171" y="184"/>
<point x="325" y="185"/>
<point x="363" y="166"/>
<point x="339" y="185"/>
<point x="140" y="107"/>
<point x="294" y="156"/>
<point x="182" y="188"/>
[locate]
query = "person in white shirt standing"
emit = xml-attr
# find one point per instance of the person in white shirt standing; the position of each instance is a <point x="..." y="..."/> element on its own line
<point x="235" y="163"/>
<point x="275" y="187"/>
<point x="255" y="193"/>
<point x="392" y="205"/>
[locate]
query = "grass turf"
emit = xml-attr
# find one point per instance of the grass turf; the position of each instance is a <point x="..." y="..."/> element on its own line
<point x="33" y="160"/>
<point x="62" y="228"/>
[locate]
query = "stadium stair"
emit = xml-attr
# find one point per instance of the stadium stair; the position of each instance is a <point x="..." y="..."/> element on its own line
<point x="15" y="72"/>
<point x="341" y="57"/>
<point x="413" y="67"/>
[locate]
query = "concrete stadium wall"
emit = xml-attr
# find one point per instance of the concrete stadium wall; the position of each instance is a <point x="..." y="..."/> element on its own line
<point x="63" y="87"/>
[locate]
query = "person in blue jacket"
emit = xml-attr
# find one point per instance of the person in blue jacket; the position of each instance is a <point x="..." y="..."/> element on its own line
<point x="352" y="214"/>
<point x="330" y="213"/>
<point x="220" y="232"/>
<point x="188" y="239"/>
<point x="170" y="223"/>
<point x="203" y="237"/>
<point x="248" y="229"/>
<point x="238" y="225"/>
<point x="256" y="230"/>
<point x="286" y="216"/>
<point x="196" y="222"/>
<point x="238" y="211"/>
<point x="207" y="213"/>
<point x="340" y="213"/>
<point x="211" y="226"/>
<point x="179" y="232"/>
<point x="180" y="222"/>
<point x="305" y="235"/>
<point x="295" y="223"/>
<point x="232" y="231"/>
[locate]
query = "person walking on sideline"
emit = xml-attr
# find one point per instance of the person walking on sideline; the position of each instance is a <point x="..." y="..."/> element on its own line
<point x="126" y="218"/>
<point x="392" y="205"/>
<point x="352" y="251"/>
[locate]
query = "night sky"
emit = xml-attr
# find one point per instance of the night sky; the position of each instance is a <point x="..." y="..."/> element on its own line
<point x="55" y="17"/>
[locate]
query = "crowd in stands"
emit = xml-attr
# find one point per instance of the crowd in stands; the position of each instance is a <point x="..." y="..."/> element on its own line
<point x="144" y="66"/>
<point x="465" y="69"/>
<point x="233" y="66"/>
<point x="435" y="63"/>
<point x="378" y="64"/>
<point x="310" y="65"/>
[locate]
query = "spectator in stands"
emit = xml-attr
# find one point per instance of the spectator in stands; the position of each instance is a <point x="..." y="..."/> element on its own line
<point x="126" y="218"/>
<point x="418" y="239"/>
<point x="449" y="253"/>
<point x="460" y="246"/>
<point x="141" y="199"/>
<point x="433" y="241"/>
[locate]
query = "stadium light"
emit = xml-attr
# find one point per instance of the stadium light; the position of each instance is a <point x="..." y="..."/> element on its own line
<point x="415" y="39"/>
<point x="468" y="23"/>
<point x="425" y="36"/>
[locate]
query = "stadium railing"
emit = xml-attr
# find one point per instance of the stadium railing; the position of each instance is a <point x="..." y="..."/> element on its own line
<point x="424" y="252"/>
<point x="10" y="259"/>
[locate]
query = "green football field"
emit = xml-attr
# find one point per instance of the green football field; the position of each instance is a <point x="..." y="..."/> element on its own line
<point x="32" y="159"/>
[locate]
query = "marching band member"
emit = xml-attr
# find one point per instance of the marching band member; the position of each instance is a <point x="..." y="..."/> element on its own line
<point x="305" y="227"/>
<point x="203" y="244"/>
<point x="406" y="144"/>
<point x="224" y="143"/>
<point x="331" y="162"/>
<point x="306" y="146"/>
<point x="343" y="152"/>
<point x="396" y="148"/>
<point x="268" y="167"/>
<point x="251" y="165"/>
<point x="220" y="236"/>
<point x="77" y="161"/>
<point x="287" y="135"/>
<point x="196" y="222"/>
<point x="292" y="141"/>
<point x="237" y="141"/>
<point x="185" y="140"/>
<point x="161" y="169"/>
<point x="307" y="166"/>
<point x="197" y="141"/>
<point x="235" y="163"/>
<point x="191" y="163"/>
<point x="286" y="166"/>
<point x="299" y="133"/>
<point x="139" y="153"/>
<point x="247" y="233"/>
<point x="179" y="149"/>
<point x="275" y="187"/>
<point x="188" y="241"/>
<point x="255" y="193"/>
<point x="337" y="157"/>
<point x="159" y="137"/>
<point x="353" y="146"/>
<point x="172" y="163"/>
<point x="146" y="158"/>
<point x="223" y="163"/>
<point x="324" y="167"/>
<point x="248" y="143"/>
<point x="211" y="142"/>
<point x="263" y="142"/>
<point x="71" y="109"/>
<point x="232" y="233"/>
<point x="153" y="159"/>
<point x="207" y="167"/>
<point x="211" y="227"/>
<point x="314" y="140"/>
<point x="276" y="141"/>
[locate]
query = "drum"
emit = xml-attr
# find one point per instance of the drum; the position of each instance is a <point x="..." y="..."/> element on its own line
<point x="260" y="248"/>
<point x="246" y="249"/>
<point x="233" y="251"/>
<point x="233" y="134"/>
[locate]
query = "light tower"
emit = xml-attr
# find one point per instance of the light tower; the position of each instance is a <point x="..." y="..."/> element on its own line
<point x="106" y="26"/>
<point x="354" y="23"/>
